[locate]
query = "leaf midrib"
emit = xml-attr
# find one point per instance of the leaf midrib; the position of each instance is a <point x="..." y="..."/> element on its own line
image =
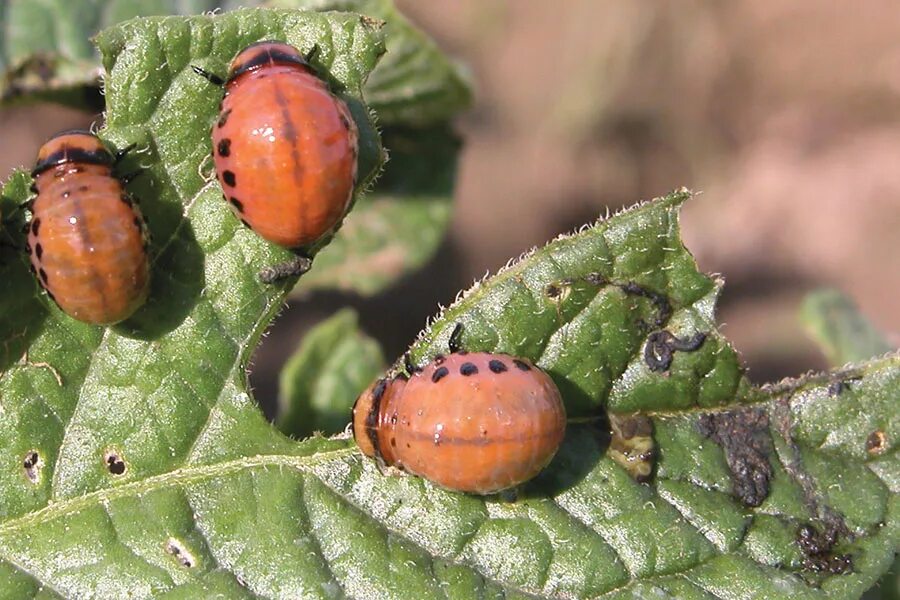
<point x="178" y="477"/>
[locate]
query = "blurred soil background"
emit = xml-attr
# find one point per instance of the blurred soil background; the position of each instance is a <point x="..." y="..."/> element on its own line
<point x="786" y="115"/>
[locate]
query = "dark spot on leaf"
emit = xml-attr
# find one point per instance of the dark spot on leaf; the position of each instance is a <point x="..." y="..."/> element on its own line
<point x="875" y="443"/>
<point x="180" y="552"/>
<point x="659" y="351"/>
<point x="552" y="290"/>
<point x="114" y="463"/>
<point x="662" y="304"/>
<point x="744" y="436"/>
<point x="468" y="369"/>
<point x="224" y="147"/>
<point x="32" y="465"/>
<point x="439" y="374"/>
<point x="817" y="546"/>
<point x="521" y="365"/>
<point x="497" y="366"/>
<point x="229" y="178"/>
<point x="595" y="279"/>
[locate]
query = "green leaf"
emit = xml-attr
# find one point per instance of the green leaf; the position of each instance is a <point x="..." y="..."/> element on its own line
<point x="396" y="228"/>
<point x="215" y="501"/>
<point x="841" y="331"/>
<point x="328" y="371"/>
<point x="45" y="49"/>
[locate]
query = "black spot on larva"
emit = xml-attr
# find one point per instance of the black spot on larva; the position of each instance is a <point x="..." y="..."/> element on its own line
<point x="38" y="250"/>
<point x="439" y="359"/>
<point x="468" y="369"/>
<point x="66" y="194"/>
<point x="393" y="442"/>
<point x="138" y="223"/>
<point x="237" y="204"/>
<point x="246" y="224"/>
<point x="497" y="366"/>
<point x="50" y="294"/>
<point x="82" y="188"/>
<point x="124" y="198"/>
<point x="744" y="436"/>
<point x="223" y="118"/>
<point x="521" y="365"/>
<point x="439" y="374"/>
<point x="115" y="465"/>
<point x="43" y="275"/>
<point x="33" y="188"/>
<point x="229" y="178"/>
<point x="224" y="147"/>
<point x="35" y="226"/>
<point x="345" y="122"/>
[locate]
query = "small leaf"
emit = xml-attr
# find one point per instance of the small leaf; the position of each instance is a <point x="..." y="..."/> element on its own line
<point x="842" y="332"/>
<point x="45" y="49"/>
<point x="396" y="228"/>
<point x="322" y="379"/>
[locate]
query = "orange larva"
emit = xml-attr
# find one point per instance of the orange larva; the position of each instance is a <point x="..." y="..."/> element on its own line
<point x="87" y="239"/>
<point x="284" y="146"/>
<point x="478" y="423"/>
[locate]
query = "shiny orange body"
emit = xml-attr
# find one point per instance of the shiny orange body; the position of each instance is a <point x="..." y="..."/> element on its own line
<point x="87" y="240"/>
<point x="476" y="423"/>
<point x="284" y="146"/>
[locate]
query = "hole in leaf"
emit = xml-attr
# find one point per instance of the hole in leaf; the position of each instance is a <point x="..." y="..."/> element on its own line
<point x="876" y="442"/>
<point x="32" y="464"/>
<point x="114" y="463"/>
<point x="175" y="548"/>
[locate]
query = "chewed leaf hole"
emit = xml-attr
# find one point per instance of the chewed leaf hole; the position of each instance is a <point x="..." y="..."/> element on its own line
<point x="178" y="550"/>
<point x="115" y="464"/>
<point x="32" y="464"/>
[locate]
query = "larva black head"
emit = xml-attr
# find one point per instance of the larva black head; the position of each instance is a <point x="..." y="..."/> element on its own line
<point x="73" y="146"/>
<point x="264" y="54"/>
<point x="366" y="417"/>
